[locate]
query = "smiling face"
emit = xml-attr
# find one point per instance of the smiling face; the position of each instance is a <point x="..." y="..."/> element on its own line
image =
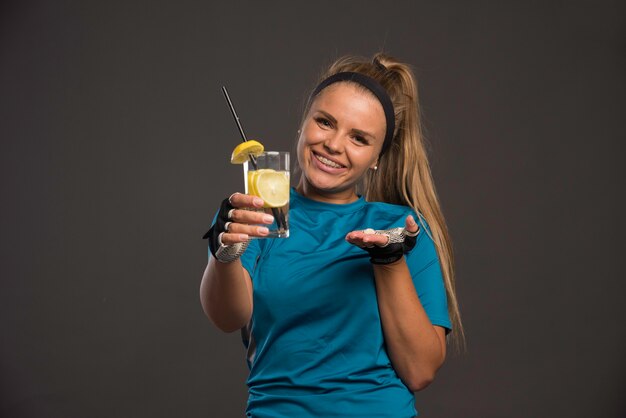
<point x="340" y="140"/>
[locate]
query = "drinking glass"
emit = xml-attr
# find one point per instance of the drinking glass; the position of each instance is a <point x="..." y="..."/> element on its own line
<point x="267" y="176"/>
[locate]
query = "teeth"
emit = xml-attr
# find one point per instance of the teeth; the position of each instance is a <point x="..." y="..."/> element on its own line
<point x="328" y="162"/>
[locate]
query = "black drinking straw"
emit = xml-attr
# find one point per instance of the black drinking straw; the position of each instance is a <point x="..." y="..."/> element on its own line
<point x="278" y="215"/>
<point x="243" y="134"/>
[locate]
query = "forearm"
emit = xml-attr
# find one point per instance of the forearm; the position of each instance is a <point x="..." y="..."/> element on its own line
<point x="226" y="295"/>
<point x="415" y="348"/>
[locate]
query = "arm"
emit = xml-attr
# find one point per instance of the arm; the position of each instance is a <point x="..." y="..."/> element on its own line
<point x="226" y="288"/>
<point x="226" y="295"/>
<point x="416" y="348"/>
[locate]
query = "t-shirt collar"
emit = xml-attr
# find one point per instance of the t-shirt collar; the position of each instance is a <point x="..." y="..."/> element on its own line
<point x="315" y="205"/>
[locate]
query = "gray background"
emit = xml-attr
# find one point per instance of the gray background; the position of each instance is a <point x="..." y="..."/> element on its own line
<point x="114" y="156"/>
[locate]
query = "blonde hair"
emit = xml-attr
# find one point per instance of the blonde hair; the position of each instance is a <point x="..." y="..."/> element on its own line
<point x="405" y="165"/>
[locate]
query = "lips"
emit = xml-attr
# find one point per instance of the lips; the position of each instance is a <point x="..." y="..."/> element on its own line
<point x="327" y="162"/>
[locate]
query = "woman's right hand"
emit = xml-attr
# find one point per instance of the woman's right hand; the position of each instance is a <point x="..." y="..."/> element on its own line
<point x="242" y="223"/>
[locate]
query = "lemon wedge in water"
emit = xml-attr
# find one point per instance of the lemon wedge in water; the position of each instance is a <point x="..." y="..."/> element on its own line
<point x="252" y="174"/>
<point x="271" y="186"/>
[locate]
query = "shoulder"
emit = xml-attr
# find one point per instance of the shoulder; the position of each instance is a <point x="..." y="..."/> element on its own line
<point x="387" y="210"/>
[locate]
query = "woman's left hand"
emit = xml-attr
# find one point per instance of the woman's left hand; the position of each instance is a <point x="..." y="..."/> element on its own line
<point x="377" y="243"/>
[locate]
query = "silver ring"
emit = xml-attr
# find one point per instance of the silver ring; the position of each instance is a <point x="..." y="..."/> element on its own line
<point x="388" y="240"/>
<point x="231" y="196"/>
<point x="411" y="234"/>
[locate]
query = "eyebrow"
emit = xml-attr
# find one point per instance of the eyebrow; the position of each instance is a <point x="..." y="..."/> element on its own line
<point x="356" y="131"/>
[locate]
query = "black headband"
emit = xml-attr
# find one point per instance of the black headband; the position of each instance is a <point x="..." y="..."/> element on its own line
<point x="373" y="86"/>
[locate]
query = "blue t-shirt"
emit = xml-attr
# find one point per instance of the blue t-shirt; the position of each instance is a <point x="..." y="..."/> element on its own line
<point x="315" y="342"/>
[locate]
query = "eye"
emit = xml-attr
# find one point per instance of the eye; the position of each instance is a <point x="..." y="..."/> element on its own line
<point x="360" y="140"/>
<point x="323" y="122"/>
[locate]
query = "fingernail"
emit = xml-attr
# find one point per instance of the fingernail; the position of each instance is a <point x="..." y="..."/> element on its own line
<point x="268" y="219"/>
<point x="243" y="237"/>
<point x="257" y="201"/>
<point x="263" y="230"/>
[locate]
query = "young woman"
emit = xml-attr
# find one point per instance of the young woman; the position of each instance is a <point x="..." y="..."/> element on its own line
<point x="349" y="315"/>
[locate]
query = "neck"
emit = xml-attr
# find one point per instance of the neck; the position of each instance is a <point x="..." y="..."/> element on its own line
<point x="337" y="197"/>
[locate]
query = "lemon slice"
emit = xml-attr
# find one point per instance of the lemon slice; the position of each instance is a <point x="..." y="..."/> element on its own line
<point x="242" y="152"/>
<point x="252" y="174"/>
<point x="251" y="179"/>
<point x="272" y="186"/>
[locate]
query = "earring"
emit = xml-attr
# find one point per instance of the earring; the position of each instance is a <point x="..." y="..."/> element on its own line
<point x="375" y="167"/>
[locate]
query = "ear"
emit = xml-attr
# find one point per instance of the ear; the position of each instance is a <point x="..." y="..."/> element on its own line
<point x="374" y="165"/>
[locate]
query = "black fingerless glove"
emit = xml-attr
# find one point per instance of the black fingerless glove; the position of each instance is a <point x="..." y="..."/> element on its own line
<point x="400" y="242"/>
<point x="223" y="253"/>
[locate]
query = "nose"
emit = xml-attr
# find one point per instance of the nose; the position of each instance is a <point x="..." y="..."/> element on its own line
<point x="333" y="144"/>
